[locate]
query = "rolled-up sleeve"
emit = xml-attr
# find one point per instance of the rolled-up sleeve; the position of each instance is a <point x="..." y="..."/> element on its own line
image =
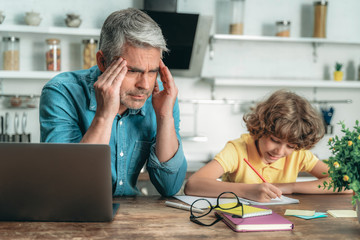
<point x="168" y="176"/>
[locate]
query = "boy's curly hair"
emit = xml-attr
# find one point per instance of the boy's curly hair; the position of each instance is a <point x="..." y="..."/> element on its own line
<point x="288" y="117"/>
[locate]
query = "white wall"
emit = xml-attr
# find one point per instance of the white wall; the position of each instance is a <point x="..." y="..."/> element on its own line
<point x="267" y="60"/>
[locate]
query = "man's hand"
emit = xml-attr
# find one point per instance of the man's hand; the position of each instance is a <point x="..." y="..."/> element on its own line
<point x="163" y="101"/>
<point x="107" y="90"/>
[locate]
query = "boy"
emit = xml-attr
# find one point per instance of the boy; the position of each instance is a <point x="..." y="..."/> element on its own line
<point x="281" y="130"/>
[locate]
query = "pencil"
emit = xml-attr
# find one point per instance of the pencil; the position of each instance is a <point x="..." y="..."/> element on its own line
<point x="182" y="206"/>
<point x="262" y="178"/>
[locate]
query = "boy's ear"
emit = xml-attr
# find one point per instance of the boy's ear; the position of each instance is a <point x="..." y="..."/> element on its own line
<point x="100" y="60"/>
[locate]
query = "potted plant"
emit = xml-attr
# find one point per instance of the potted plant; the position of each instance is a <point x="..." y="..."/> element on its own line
<point x="338" y="74"/>
<point x="344" y="164"/>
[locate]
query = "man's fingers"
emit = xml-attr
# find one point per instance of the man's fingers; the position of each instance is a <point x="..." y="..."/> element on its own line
<point x="111" y="72"/>
<point x="166" y="77"/>
<point x="156" y="87"/>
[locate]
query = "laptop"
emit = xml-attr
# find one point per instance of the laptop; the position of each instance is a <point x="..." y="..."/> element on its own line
<point x="66" y="182"/>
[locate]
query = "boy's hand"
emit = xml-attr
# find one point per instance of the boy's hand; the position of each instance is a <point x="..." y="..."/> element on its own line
<point x="264" y="192"/>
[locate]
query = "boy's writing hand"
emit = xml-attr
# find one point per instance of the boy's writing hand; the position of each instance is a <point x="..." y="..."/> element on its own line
<point x="264" y="192"/>
<point x="107" y="89"/>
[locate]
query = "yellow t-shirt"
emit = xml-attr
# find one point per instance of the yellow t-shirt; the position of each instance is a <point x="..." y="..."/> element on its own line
<point x="284" y="170"/>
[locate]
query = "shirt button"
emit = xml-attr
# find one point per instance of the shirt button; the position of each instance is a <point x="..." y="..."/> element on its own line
<point x="121" y="182"/>
<point x="120" y="123"/>
<point x="121" y="154"/>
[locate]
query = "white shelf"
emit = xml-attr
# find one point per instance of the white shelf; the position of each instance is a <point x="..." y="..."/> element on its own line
<point x="283" y="83"/>
<point x="40" y="75"/>
<point x="50" y="30"/>
<point x="278" y="39"/>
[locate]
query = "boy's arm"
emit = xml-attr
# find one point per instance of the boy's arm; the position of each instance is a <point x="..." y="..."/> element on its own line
<point x="310" y="187"/>
<point x="204" y="183"/>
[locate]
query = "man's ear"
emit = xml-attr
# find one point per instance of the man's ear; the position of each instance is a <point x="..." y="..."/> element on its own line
<point x="100" y="59"/>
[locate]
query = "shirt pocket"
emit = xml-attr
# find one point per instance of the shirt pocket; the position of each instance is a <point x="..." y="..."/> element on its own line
<point x="139" y="156"/>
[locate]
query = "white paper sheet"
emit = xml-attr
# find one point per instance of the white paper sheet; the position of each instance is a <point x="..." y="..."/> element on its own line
<point x="277" y="201"/>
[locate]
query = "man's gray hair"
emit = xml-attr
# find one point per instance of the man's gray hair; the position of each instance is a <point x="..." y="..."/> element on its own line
<point x="130" y="26"/>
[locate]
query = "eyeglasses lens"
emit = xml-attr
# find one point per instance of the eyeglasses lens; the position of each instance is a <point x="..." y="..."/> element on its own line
<point x="228" y="201"/>
<point x="200" y="208"/>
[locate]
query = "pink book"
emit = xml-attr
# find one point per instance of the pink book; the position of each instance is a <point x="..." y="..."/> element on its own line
<point x="272" y="222"/>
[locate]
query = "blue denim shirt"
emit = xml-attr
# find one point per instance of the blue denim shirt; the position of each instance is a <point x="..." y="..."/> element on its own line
<point x="67" y="108"/>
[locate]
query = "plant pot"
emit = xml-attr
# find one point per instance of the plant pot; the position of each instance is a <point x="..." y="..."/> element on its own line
<point x="338" y="75"/>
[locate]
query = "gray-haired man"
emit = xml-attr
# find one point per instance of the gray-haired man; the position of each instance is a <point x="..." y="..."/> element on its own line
<point x="120" y="102"/>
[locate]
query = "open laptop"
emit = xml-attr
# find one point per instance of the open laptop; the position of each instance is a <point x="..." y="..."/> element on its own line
<point x="55" y="182"/>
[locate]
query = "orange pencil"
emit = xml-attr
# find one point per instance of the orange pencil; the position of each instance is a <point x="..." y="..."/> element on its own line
<point x="262" y="178"/>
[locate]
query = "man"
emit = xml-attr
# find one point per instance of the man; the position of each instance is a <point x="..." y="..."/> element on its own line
<point x="120" y="102"/>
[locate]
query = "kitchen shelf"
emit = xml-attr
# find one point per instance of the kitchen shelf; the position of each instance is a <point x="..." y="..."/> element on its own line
<point x="314" y="41"/>
<point x="278" y="39"/>
<point x="40" y="75"/>
<point x="25" y="29"/>
<point x="95" y="32"/>
<point x="282" y="83"/>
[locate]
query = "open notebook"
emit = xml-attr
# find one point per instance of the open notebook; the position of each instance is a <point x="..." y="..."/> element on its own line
<point x="278" y="201"/>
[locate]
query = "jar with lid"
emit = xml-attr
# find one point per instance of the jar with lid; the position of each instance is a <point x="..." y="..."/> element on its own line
<point x="283" y="28"/>
<point x="11" y="59"/>
<point x="237" y="17"/>
<point x="89" y="53"/>
<point x="53" y="55"/>
<point x="320" y="19"/>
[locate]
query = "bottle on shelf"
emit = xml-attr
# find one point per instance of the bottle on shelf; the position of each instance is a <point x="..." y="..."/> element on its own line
<point x="237" y="17"/>
<point x="320" y="19"/>
<point x="53" y="55"/>
<point x="283" y="28"/>
<point x="11" y="52"/>
<point x="89" y="53"/>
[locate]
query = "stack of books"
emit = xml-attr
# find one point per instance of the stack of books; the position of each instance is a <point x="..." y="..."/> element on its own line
<point x="254" y="218"/>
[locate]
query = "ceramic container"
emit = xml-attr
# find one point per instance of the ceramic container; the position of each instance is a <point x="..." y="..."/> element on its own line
<point x="2" y="17"/>
<point x="32" y="18"/>
<point x="72" y="20"/>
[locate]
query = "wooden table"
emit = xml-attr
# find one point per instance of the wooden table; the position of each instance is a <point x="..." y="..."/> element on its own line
<point x="149" y="218"/>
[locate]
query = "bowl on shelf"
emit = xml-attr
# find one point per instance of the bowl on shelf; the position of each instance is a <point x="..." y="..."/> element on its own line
<point x="72" y="20"/>
<point x="19" y="101"/>
<point x="32" y="18"/>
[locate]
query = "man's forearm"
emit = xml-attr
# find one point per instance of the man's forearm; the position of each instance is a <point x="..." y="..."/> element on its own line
<point x="166" y="141"/>
<point x="99" y="132"/>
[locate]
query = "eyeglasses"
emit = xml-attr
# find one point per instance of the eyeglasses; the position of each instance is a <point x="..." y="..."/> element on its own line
<point x="202" y="207"/>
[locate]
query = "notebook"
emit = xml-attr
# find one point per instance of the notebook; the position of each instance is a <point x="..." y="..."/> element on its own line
<point x="249" y="211"/>
<point x="278" y="201"/>
<point x="55" y="182"/>
<point x="273" y="222"/>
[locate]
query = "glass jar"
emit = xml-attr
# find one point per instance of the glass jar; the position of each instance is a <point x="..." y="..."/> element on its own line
<point x="320" y="19"/>
<point x="283" y="28"/>
<point x="89" y="53"/>
<point x="53" y="55"/>
<point x="237" y="17"/>
<point x="11" y="53"/>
